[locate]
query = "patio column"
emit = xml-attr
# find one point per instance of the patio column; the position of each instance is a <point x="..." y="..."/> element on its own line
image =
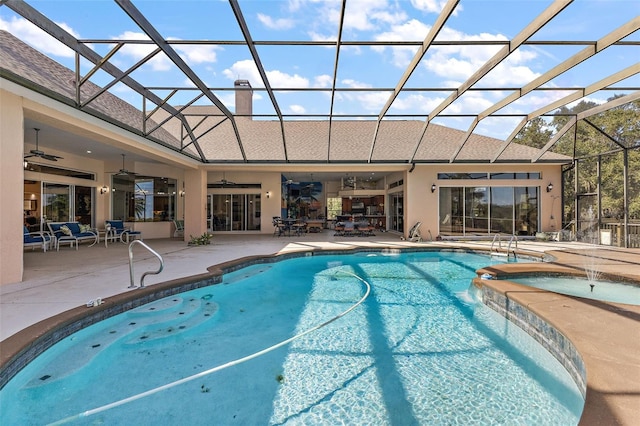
<point x="11" y="187"/>
<point x="195" y="203"/>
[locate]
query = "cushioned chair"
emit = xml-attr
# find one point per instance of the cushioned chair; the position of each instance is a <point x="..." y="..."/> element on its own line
<point x="37" y="239"/>
<point x="118" y="229"/>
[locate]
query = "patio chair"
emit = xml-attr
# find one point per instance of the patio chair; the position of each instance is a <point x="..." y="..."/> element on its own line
<point x="117" y="229"/>
<point x="299" y="228"/>
<point x="349" y="229"/>
<point x="279" y="227"/>
<point x="365" y="229"/>
<point x="414" y="233"/>
<point x="179" y="232"/>
<point x="37" y="239"/>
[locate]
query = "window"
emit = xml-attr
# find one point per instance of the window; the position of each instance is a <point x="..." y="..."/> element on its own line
<point x="334" y="207"/>
<point x="143" y="198"/>
<point x="516" y="175"/>
<point x="481" y="210"/>
<point x="445" y="176"/>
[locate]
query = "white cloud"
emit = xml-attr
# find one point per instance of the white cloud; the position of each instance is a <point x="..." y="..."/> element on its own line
<point x="354" y="83"/>
<point x="276" y="24"/>
<point x="244" y="70"/>
<point x="373" y="101"/>
<point x="247" y="70"/>
<point x="281" y="79"/>
<point x="135" y="52"/>
<point x="433" y="6"/>
<point x="297" y="109"/>
<point x="34" y="36"/>
<point x="413" y="30"/>
<point x="197" y="54"/>
<point x="460" y="62"/>
<point x="416" y="102"/>
<point x="323" y="80"/>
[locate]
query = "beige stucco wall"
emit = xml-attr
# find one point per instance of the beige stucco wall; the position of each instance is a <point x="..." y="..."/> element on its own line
<point x="11" y="192"/>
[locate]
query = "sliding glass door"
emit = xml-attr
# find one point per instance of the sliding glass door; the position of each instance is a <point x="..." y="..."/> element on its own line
<point x="488" y="210"/>
<point x="62" y="203"/>
<point x="234" y="212"/>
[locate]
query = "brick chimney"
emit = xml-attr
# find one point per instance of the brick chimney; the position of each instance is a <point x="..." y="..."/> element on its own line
<point x="244" y="98"/>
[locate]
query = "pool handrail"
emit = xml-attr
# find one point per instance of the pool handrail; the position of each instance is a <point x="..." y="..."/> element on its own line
<point x="498" y="237"/>
<point x="155" y="253"/>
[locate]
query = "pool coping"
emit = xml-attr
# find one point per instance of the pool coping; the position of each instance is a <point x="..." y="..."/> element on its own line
<point x="591" y="337"/>
<point x="600" y="406"/>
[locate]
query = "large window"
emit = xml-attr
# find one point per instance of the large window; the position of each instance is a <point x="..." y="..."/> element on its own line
<point x="488" y="210"/>
<point x="334" y="207"/>
<point x="143" y="199"/>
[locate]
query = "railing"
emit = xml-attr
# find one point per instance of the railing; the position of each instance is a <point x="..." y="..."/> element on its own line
<point x="498" y="238"/>
<point x="617" y="233"/>
<point x="511" y="240"/>
<point x="148" y="272"/>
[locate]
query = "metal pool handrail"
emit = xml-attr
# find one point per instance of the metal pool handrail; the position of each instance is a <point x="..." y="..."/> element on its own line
<point x="148" y="272"/>
<point x="498" y="238"/>
<point x="220" y="367"/>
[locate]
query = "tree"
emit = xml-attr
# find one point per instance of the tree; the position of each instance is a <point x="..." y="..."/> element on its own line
<point x="603" y="136"/>
<point x="536" y="133"/>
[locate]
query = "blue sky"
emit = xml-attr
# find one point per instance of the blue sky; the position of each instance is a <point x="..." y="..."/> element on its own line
<point x="359" y="66"/>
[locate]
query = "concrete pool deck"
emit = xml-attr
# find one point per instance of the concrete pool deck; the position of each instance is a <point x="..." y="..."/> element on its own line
<point x="607" y="335"/>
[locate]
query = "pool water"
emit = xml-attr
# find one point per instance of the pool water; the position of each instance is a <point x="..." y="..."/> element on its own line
<point x="419" y="350"/>
<point x="608" y="291"/>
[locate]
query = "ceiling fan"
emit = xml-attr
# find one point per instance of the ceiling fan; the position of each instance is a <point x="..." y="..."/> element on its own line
<point x="224" y="181"/>
<point x="290" y="182"/>
<point x="123" y="171"/>
<point x="37" y="153"/>
<point x="349" y="182"/>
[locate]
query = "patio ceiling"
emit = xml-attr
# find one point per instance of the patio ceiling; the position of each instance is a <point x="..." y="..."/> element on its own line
<point x="192" y="116"/>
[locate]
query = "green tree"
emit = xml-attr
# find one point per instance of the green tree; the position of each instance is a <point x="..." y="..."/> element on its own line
<point x="536" y="133"/>
<point x="599" y="136"/>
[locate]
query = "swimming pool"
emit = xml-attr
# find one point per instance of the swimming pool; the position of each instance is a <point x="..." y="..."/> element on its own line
<point x="417" y="351"/>
<point x="608" y="291"/>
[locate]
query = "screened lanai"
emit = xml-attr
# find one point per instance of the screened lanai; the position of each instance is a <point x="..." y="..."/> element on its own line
<point x="560" y="77"/>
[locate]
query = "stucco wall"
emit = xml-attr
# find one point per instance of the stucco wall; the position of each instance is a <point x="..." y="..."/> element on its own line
<point x="11" y="193"/>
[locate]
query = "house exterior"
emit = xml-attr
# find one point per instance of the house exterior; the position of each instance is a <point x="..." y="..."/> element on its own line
<point x="455" y="185"/>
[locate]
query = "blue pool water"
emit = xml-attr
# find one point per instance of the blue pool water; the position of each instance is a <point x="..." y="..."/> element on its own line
<point x="608" y="291"/>
<point x="417" y="351"/>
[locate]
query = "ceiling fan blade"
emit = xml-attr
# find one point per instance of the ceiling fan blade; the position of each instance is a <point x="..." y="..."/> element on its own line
<point x="30" y="155"/>
<point x="50" y="157"/>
